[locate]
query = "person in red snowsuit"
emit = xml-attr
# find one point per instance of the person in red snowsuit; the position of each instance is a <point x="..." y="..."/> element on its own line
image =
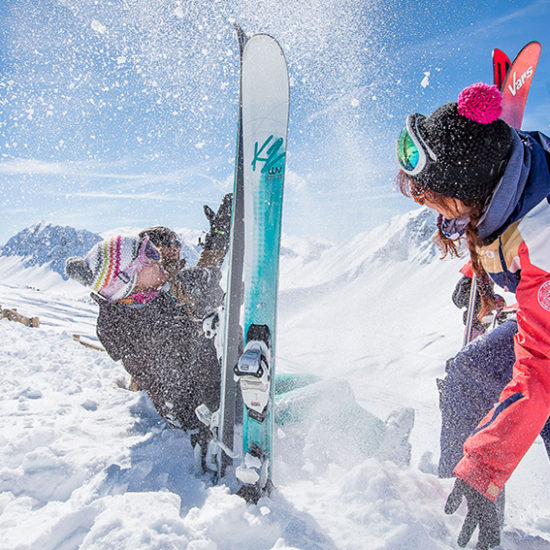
<point x="490" y="184"/>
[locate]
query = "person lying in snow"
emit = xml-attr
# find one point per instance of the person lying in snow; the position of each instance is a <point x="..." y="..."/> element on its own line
<point x="490" y="184"/>
<point x="140" y="322"/>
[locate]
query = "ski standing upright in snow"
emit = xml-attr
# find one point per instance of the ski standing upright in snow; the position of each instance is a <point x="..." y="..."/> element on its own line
<point x="232" y="342"/>
<point x="501" y="65"/>
<point x="253" y="271"/>
<point x="265" y="104"/>
<point x="216" y="451"/>
<point x="517" y="83"/>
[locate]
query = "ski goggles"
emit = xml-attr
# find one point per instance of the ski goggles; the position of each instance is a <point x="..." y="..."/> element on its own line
<point x="122" y="284"/>
<point x="148" y="254"/>
<point x="413" y="154"/>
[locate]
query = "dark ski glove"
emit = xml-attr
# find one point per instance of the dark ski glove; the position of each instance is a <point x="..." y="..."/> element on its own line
<point x="461" y="293"/>
<point x="481" y="511"/>
<point x="220" y="223"/>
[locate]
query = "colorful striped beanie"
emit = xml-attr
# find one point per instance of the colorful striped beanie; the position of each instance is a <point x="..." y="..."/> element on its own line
<point x="101" y="266"/>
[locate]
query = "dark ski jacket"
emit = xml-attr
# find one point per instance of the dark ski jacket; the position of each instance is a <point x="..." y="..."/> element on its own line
<point x="164" y="349"/>
<point x="516" y="254"/>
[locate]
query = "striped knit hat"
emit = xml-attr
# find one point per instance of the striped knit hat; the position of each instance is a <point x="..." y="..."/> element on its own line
<point x="101" y="266"/>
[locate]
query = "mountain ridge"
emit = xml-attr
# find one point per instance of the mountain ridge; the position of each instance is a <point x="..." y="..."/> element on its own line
<point x="304" y="261"/>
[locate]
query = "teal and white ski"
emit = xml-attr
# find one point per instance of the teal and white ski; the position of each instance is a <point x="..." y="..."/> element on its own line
<point x="265" y="104"/>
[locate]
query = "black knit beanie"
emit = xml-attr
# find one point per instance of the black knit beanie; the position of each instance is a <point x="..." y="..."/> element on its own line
<point x="471" y="143"/>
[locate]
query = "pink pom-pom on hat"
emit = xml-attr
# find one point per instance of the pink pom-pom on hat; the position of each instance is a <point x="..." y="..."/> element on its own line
<point x="480" y="102"/>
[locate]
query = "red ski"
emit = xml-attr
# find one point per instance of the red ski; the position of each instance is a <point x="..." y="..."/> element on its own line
<point x="517" y="82"/>
<point x="501" y="65"/>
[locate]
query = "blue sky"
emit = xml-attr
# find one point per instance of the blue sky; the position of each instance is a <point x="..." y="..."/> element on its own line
<point x="124" y="113"/>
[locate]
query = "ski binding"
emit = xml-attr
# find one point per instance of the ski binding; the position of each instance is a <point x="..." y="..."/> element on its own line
<point x="253" y="374"/>
<point x="211" y="420"/>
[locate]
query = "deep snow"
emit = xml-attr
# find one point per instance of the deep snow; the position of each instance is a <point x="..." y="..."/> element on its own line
<point x="87" y="464"/>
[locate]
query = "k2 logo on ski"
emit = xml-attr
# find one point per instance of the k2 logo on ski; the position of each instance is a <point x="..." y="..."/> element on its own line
<point x="517" y="84"/>
<point x="273" y="159"/>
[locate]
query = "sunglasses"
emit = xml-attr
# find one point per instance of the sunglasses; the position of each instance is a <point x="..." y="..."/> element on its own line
<point x="413" y="154"/>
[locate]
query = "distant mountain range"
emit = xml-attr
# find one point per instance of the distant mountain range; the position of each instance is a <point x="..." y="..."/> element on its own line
<point x="46" y="243"/>
<point x="303" y="261"/>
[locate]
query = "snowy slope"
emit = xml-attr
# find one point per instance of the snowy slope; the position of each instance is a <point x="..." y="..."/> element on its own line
<point x="84" y="463"/>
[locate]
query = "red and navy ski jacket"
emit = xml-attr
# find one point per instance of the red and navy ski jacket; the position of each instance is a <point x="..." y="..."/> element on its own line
<point x="517" y="257"/>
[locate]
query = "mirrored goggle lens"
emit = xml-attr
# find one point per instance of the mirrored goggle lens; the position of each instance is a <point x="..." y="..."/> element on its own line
<point x="407" y="152"/>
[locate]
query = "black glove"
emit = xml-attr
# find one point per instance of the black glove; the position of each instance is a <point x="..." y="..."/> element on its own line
<point x="481" y="511"/>
<point x="461" y="293"/>
<point x="220" y="224"/>
<point x="461" y="299"/>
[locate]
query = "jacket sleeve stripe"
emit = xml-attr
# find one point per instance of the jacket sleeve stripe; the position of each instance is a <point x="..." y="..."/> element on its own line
<point x="501" y="408"/>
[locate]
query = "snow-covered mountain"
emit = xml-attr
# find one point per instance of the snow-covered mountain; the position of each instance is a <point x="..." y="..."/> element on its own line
<point x="86" y="464"/>
<point x="402" y="238"/>
<point x="46" y="243"/>
<point x="405" y="238"/>
<point x="49" y="245"/>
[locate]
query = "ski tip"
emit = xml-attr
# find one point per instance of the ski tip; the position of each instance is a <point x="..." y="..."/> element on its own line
<point x="265" y="36"/>
<point x="238" y="28"/>
<point x="500" y="57"/>
<point x="534" y="48"/>
<point x="242" y="38"/>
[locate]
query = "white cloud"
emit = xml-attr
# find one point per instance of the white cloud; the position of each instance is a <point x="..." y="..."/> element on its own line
<point x="32" y="166"/>
<point x="294" y="181"/>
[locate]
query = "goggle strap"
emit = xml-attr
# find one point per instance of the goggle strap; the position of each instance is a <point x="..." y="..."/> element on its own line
<point x="124" y="277"/>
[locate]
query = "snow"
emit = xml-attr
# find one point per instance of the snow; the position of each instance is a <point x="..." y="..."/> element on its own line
<point x="426" y="80"/>
<point x="85" y="463"/>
